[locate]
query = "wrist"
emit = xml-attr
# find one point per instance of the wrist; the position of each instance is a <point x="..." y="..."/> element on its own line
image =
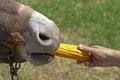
<point x="116" y="58"/>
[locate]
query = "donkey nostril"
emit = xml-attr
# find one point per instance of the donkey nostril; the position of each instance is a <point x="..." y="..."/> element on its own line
<point x="43" y="37"/>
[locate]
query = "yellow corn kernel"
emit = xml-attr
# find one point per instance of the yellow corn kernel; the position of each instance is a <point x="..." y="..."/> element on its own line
<point x="71" y="52"/>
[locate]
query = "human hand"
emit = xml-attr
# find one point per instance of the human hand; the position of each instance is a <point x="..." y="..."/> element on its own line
<point x="101" y="56"/>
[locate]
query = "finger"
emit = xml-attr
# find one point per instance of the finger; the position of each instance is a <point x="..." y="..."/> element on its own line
<point x="79" y="62"/>
<point x="89" y="64"/>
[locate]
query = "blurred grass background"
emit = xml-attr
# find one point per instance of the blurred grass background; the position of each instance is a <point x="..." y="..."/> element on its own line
<point x="85" y="22"/>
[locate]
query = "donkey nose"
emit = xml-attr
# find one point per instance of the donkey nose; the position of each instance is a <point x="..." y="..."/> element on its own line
<point x="44" y="37"/>
<point x="49" y="36"/>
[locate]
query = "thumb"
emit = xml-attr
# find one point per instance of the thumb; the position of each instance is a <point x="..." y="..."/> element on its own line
<point x="86" y="49"/>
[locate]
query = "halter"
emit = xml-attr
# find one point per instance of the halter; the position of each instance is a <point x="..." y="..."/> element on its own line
<point x="15" y="36"/>
<point x="12" y="36"/>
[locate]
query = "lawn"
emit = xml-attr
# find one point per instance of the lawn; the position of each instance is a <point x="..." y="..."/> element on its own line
<point x="88" y="22"/>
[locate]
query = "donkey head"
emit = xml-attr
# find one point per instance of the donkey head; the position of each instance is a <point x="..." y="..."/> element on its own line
<point x="41" y="35"/>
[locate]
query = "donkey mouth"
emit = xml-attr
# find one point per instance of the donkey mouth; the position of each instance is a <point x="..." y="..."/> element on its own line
<point x="39" y="59"/>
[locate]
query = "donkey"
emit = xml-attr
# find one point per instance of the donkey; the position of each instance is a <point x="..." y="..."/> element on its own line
<point x="26" y="35"/>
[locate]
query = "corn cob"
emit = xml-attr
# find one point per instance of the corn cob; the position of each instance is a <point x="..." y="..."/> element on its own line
<point x="71" y="52"/>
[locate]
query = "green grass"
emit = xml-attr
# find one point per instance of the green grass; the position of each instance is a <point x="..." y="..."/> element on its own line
<point x="81" y="22"/>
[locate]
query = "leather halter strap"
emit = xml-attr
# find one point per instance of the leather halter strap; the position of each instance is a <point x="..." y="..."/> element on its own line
<point x="22" y="19"/>
<point x="15" y="36"/>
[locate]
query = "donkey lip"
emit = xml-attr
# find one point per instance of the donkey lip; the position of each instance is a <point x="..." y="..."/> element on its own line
<point x="39" y="59"/>
<point x="47" y="54"/>
<point x="43" y="54"/>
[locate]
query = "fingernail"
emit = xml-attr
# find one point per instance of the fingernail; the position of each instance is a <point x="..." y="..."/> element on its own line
<point x="80" y="46"/>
